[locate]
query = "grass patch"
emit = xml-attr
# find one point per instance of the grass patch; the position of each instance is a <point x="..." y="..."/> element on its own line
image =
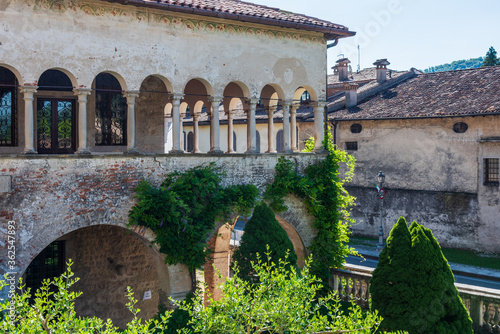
<point x="459" y="256"/>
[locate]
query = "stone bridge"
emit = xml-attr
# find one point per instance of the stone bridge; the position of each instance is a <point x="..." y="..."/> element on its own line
<point x="80" y="204"/>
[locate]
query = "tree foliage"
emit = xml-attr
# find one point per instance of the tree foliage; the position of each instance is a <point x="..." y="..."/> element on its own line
<point x="456" y="65"/>
<point x="284" y="302"/>
<point x="52" y="311"/>
<point x="491" y="58"/>
<point x="262" y="230"/>
<point x="183" y="211"/>
<point x="413" y="285"/>
<point x="322" y="189"/>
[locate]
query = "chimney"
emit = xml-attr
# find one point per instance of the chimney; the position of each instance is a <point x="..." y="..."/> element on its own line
<point x="351" y="94"/>
<point x="381" y="69"/>
<point x="343" y="65"/>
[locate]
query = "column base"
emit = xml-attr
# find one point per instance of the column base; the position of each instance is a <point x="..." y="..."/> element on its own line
<point x="83" y="152"/>
<point x="29" y="152"/>
<point x="176" y="152"/>
<point x="196" y="152"/>
<point x="271" y="151"/>
<point x="215" y="152"/>
<point x="230" y="152"/>
<point x="132" y="151"/>
<point x="295" y="150"/>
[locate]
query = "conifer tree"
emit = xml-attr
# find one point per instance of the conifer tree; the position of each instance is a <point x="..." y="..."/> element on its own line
<point x="491" y="58"/>
<point x="413" y="287"/>
<point x="262" y="229"/>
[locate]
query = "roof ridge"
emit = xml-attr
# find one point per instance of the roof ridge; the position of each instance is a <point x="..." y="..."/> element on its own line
<point x="464" y="69"/>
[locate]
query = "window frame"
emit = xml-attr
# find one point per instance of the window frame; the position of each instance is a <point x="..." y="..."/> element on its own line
<point x="491" y="177"/>
<point x="12" y="88"/>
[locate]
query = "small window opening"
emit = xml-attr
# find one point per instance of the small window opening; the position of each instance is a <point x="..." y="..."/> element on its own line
<point x="356" y="128"/>
<point x="460" y="127"/>
<point x="351" y="145"/>
<point x="491" y="171"/>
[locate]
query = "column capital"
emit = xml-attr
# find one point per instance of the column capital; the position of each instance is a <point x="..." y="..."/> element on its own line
<point x="230" y="113"/>
<point x="288" y="103"/>
<point x="176" y="96"/>
<point x="131" y="95"/>
<point x="82" y="91"/>
<point x="215" y="99"/>
<point x="196" y="115"/>
<point x="318" y="105"/>
<point x="28" y="89"/>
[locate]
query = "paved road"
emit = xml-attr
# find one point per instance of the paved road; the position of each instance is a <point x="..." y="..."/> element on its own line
<point x="491" y="284"/>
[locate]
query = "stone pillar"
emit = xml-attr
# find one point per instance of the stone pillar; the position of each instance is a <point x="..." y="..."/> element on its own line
<point x="251" y="127"/>
<point x="215" y="127"/>
<point x="29" y="127"/>
<point x="270" y="131"/>
<point x="286" y="128"/>
<point x="82" y="94"/>
<point x="131" y="96"/>
<point x="176" y="124"/>
<point x="319" y="131"/>
<point x="196" y="139"/>
<point x="293" y="130"/>
<point x="230" y="147"/>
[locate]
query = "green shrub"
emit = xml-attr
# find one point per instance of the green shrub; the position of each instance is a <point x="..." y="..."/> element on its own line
<point x="413" y="285"/>
<point x="262" y="230"/>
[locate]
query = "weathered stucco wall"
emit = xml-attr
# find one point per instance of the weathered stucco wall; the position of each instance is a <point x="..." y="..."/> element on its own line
<point x="95" y="36"/>
<point x="68" y="196"/>
<point x="433" y="175"/>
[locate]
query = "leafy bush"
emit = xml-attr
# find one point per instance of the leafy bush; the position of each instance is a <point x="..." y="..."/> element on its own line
<point x="52" y="310"/>
<point x="413" y="285"/>
<point x="283" y="302"/>
<point x="262" y="230"/>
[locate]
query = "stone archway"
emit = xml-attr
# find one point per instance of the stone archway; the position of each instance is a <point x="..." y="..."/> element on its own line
<point x="107" y="259"/>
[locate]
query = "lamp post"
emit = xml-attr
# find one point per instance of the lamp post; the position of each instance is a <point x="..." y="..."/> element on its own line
<point x="381" y="195"/>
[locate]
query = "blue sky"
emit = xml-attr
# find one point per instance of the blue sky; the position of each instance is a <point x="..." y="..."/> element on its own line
<point x="409" y="33"/>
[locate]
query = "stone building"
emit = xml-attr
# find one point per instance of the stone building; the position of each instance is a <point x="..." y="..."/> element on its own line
<point x="92" y="93"/>
<point x="436" y="137"/>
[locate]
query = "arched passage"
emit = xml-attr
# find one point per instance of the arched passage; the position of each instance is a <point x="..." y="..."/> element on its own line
<point x="271" y="97"/>
<point x="220" y="244"/>
<point x="150" y="106"/>
<point x="107" y="259"/>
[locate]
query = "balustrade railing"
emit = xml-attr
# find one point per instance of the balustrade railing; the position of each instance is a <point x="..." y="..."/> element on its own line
<point x="483" y="304"/>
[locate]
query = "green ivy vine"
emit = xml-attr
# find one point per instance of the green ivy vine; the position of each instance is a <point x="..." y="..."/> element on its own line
<point x="321" y="187"/>
<point x="183" y="210"/>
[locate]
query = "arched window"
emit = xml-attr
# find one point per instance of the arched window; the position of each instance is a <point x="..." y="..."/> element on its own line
<point x="234" y="142"/>
<point x="110" y="111"/>
<point x="257" y="141"/>
<point x="305" y="98"/>
<point x="8" y="107"/>
<point x="190" y="142"/>
<point x="280" y="146"/>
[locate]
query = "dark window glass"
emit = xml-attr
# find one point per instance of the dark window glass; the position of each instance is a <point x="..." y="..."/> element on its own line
<point x="190" y="142"/>
<point x="280" y="146"/>
<point x="491" y="171"/>
<point x="351" y="145"/>
<point x="110" y="112"/>
<point x="48" y="264"/>
<point x="356" y="128"/>
<point x="8" y="107"/>
<point x="257" y="141"/>
<point x="460" y="127"/>
<point x="234" y="141"/>
<point x="305" y="98"/>
<point x="54" y="80"/>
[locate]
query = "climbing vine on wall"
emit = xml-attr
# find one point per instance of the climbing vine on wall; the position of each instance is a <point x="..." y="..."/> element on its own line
<point x="322" y="189"/>
<point x="183" y="210"/>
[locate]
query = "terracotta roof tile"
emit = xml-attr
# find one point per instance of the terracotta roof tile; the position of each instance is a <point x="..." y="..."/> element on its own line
<point x="247" y="11"/>
<point x="442" y="94"/>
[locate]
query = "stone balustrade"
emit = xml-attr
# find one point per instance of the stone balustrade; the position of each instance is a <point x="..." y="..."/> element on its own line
<point x="483" y="304"/>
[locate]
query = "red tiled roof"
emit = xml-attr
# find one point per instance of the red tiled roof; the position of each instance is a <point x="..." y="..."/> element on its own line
<point x="246" y="12"/>
<point x="443" y="94"/>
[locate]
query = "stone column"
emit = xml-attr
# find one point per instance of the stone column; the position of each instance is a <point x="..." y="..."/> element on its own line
<point x="196" y="140"/>
<point x="293" y="126"/>
<point x="181" y="130"/>
<point x="251" y="127"/>
<point x="270" y="131"/>
<point x="131" y="96"/>
<point x="286" y="128"/>
<point x="215" y="126"/>
<point x="176" y="124"/>
<point x="319" y="131"/>
<point x="230" y="144"/>
<point x="29" y="128"/>
<point x="82" y="94"/>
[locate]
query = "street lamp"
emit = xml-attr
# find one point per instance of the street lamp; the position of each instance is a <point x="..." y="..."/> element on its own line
<point x="381" y="195"/>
